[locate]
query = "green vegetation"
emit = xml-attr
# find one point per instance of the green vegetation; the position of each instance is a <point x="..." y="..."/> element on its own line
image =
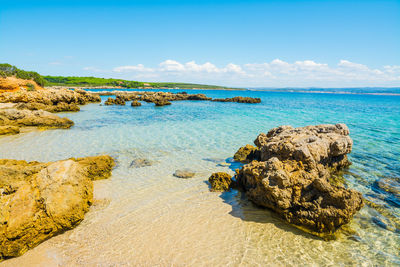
<point x="95" y="82"/>
<point x="31" y="87"/>
<point x="89" y="82"/>
<point x="7" y="70"/>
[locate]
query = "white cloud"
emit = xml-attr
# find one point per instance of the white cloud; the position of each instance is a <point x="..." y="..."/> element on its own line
<point x="139" y="68"/>
<point x="276" y="73"/>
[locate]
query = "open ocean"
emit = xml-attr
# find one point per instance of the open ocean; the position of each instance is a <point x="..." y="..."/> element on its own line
<point x="146" y="216"/>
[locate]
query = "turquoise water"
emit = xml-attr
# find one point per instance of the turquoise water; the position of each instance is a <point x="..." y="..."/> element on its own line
<point x="150" y="217"/>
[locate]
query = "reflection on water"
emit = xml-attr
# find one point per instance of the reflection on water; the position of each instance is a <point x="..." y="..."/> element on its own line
<point x="146" y="216"/>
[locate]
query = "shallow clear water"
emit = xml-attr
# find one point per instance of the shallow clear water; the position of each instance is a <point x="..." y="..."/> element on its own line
<point x="146" y="216"/>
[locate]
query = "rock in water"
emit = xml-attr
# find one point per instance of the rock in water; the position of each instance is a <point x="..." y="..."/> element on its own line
<point x="220" y="181"/>
<point x="40" y="200"/>
<point x="184" y="173"/>
<point x="293" y="174"/>
<point x="246" y="154"/>
<point x="136" y="103"/>
<point x="161" y="102"/>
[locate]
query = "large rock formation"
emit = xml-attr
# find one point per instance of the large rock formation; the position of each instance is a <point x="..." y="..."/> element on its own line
<point x="59" y="107"/>
<point x="49" y="96"/>
<point x="40" y="200"/>
<point x="293" y="176"/>
<point x="36" y="118"/>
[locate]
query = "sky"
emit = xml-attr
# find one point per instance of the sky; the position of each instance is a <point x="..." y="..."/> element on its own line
<point x="233" y="43"/>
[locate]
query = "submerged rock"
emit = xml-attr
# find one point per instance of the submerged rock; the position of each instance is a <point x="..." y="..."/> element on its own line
<point x="293" y="176"/>
<point x="40" y="200"/>
<point x="246" y="154"/>
<point x="220" y="181"/>
<point x="184" y="173"/>
<point x="139" y="163"/>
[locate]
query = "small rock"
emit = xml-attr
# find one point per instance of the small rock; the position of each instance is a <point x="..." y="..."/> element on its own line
<point x="136" y="103"/>
<point x="220" y="181"/>
<point x="184" y="174"/>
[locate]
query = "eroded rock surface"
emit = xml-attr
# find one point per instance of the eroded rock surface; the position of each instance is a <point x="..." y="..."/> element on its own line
<point x="246" y="154"/>
<point x="220" y="181"/>
<point x="40" y="200"/>
<point x="293" y="176"/>
<point x="37" y="118"/>
<point x="4" y="130"/>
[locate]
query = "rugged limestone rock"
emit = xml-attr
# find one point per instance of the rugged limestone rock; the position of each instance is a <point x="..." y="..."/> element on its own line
<point x="37" y="118"/>
<point x="40" y="200"/>
<point x="220" y="181"/>
<point x="161" y="102"/>
<point x="9" y="130"/>
<point x="184" y="174"/>
<point x="115" y="101"/>
<point x="239" y="99"/>
<point x="136" y="103"/>
<point x="49" y="96"/>
<point x="247" y="153"/>
<point x="60" y="107"/>
<point x="293" y="176"/>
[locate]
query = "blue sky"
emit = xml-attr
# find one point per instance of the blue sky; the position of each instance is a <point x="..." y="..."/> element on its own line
<point x="235" y="43"/>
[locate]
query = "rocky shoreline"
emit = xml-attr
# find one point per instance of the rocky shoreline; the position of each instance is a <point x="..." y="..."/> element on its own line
<point x="165" y="98"/>
<point x="291" y="171"/>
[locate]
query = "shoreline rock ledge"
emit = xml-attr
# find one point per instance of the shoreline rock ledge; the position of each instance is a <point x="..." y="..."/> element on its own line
<point x="293" y="176"/>
<point x="41" y="200"/>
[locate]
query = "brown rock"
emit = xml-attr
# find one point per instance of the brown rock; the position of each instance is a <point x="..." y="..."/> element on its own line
<point x="136" y="103"/>
<point x="161" y="102"/>
<point x="220" y="181"/>
<point x="9" y="130"/>
<point x="40" y="200"/>
<point x="246" y="154"/>
<point x="37" y="118"/>
<point x="293" y="176"/>
<point x="239" y="99"/>
<point x="60" y="107"/>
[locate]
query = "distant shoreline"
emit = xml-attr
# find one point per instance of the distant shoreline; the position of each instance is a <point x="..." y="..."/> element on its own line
<point x="230" y="89"/>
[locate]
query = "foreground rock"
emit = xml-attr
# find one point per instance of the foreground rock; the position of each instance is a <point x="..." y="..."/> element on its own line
<point x="239" y="99"/>
<point x="36" y="118"/>
<point x="293" y="176"/>
<point x="161" y="102"/>
<point x="40" y="200"/>
<point x="220" y="181"/>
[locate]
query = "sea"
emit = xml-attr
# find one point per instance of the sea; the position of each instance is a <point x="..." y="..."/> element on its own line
<point x="148" y="217"/>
